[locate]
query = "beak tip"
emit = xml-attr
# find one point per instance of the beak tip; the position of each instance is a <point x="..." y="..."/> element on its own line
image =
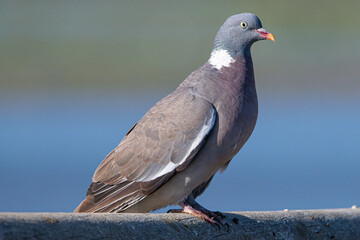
<point x="271" y="37"/>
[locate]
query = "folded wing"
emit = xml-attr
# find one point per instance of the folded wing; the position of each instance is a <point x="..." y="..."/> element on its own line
<point x="164" y="141"/>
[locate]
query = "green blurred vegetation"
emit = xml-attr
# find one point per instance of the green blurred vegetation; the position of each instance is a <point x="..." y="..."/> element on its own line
<point x="65" y="45"/>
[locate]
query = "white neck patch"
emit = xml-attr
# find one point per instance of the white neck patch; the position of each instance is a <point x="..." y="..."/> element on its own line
<point x="220" y="58"/>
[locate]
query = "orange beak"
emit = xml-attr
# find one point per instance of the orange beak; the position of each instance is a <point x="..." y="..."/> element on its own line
<point x="264" y="34"/>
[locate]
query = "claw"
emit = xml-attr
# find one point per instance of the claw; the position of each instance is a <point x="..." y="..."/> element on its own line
<point x="175" y="211"/>
<point x="217" y="226"/>
<point x="220" y="214"/>
<point x="227" y="227"/>
<point x="216" y="215"/>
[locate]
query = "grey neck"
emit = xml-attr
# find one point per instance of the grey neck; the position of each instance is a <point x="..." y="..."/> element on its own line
<point x="243" y="51"/>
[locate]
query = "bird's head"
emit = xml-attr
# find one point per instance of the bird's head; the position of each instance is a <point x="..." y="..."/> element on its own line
<point x="239" y="32"/>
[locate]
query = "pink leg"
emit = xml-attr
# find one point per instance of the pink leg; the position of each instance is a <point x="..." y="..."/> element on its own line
<point x="200" y="212"/>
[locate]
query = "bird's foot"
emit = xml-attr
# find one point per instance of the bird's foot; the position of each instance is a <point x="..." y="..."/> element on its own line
<point x="214" y="218"/>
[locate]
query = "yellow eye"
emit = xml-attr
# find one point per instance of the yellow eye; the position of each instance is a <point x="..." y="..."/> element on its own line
<point x="243" y="24"/>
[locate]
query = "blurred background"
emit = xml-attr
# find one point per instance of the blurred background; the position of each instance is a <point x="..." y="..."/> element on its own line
<point x="76" y="75"/>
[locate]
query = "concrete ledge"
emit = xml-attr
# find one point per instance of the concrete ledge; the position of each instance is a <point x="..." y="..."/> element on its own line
<point x="299" y="224"/>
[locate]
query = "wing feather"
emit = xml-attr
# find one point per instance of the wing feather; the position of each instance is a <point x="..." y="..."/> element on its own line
<point x="164" y="141"/>
<point x="161" y="141"/>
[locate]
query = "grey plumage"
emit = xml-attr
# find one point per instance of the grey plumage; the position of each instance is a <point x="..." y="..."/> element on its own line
<point x="172" y="153"/>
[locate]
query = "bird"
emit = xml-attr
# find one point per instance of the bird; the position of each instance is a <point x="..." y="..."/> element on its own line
<point x="170" y="156"/>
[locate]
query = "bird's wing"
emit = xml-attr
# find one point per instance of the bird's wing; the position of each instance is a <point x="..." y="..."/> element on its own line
<point x="162" y="142"/>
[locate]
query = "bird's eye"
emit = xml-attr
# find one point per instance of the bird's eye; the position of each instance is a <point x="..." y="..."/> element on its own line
<point x="243" y="24"/>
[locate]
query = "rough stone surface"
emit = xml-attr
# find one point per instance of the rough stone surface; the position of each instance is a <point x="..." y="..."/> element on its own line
<point x="299" y="224"/>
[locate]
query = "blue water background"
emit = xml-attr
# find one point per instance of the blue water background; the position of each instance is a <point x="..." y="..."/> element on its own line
<point x="303" y="154"/>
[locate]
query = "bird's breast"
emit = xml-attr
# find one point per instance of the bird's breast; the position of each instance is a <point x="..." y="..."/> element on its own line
<point x="237" y="119"/>
<point x="237" y="111"/>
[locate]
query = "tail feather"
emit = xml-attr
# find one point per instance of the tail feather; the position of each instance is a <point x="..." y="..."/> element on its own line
<point x="101" y="197"/>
